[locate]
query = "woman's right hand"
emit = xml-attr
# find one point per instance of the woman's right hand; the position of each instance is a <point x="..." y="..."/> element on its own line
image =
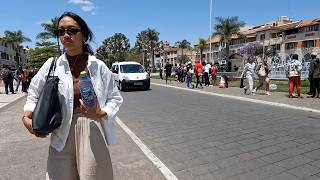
<point x="28" y="124"/>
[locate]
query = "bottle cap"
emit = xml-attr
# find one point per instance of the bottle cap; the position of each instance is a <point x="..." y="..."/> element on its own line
<point x="83" y="74"/>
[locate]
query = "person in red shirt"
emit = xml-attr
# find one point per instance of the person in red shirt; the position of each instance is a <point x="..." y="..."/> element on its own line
<point x="214" y="72"/>
<point x="24" y="80"/>
<point x="198" y="72"/>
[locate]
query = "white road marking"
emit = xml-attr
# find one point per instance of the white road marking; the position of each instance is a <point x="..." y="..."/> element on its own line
<point x="153" y="158"/>
<point x="244" y="99"/>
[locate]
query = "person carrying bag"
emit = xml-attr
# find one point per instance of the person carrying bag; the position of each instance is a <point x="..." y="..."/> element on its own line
<point x="47" y="114"/>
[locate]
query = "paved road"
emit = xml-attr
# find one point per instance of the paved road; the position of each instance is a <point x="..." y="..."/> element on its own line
<point x="22" y="156"/>
<point x="207" y="137"/>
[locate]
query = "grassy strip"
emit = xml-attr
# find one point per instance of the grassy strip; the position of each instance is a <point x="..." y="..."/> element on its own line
<point x="282" y="85"/>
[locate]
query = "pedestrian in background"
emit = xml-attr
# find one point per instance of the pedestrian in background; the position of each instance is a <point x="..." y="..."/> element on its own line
<point x="160" y="72"/>
<point x="214" y="73"/>
<point x="190" y="72"/>
<point x="168" y="69"/>
<point x="248" y="72"/>
<point x="8" y="78"/>
<point x="78" y="148"/>
<point x="262" y="71"/>
<point x="24" y="81"/>
<point x="198" y="68"/>
<point x="315" y="75"/>
<point x="206" y="74"/>
<point x="294" y="72"/>
<point x="310" y="77"/>
<point x="17" y="74"/>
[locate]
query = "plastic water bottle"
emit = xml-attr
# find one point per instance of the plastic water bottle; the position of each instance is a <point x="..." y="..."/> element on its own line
<point x="86" y="90"/>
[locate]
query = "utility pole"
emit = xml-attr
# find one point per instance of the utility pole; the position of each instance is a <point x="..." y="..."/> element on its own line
<point x="210" y="52"/>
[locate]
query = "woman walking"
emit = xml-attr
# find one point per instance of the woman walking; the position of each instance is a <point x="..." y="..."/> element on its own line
<point x="78" y="148"/>
<point x="263" y="72"/>
<point x="248" y="72"/>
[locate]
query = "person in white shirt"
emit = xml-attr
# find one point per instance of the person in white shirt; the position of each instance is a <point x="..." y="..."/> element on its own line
<point x="78" y="148"/>
<point x="248" y="72"/>
<point x="206" y="74"/>
<point x="294" y="72"/>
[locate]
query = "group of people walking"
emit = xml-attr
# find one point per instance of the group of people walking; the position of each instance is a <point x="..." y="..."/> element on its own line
<point x="21" y="76"/>
<point x="205" y="73"/>
<point x="252" y="70"/>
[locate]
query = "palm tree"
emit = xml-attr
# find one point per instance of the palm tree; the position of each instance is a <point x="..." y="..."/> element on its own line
<point x="148" y="39"/>
<point x="226" y="27"/>
<point x="50" y="31"/>
<point x="202" y="44"/>
<point x="184" y="44"/>
<point x="16" y="38"/>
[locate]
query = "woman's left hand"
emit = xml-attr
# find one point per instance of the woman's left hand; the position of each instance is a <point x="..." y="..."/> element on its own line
<point x="94" y="112"/>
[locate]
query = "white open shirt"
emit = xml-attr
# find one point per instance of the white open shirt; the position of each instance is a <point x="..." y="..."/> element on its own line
<point x="104" y="86"/>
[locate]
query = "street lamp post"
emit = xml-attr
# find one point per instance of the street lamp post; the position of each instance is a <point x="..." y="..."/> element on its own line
<point x="210" y="55"/>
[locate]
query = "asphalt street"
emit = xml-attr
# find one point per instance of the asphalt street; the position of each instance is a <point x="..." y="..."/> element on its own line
<point x="199" y="136"/>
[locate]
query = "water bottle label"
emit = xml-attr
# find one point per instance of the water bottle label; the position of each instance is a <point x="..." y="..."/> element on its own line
<point x="87" y="95"/>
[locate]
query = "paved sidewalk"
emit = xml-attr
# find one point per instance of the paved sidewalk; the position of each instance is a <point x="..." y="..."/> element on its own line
<point x="278" y="97"/>
<point x="7" y="99"/>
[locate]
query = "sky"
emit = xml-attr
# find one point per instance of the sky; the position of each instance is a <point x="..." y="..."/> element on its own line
<point x="175" y="20"/>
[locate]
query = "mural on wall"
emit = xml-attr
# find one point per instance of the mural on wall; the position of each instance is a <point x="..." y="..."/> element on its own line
<point x="278" y="61"/>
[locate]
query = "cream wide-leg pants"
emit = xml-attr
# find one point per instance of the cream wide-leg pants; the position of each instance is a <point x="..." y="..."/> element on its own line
<point x="85" y="155"/>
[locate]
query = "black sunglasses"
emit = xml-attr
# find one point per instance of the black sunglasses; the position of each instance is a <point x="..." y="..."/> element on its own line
<point x="70" y="31"/>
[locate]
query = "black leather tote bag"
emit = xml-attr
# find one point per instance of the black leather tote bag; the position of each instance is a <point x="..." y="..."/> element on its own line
<point x="241" y="83"/>
<point x="47" y="115"/>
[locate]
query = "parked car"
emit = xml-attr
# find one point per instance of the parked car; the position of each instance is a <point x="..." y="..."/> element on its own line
<point x="130" y="75"/>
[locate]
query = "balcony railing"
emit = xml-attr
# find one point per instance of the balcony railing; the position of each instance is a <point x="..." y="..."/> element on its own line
<point x="302" y="36"/>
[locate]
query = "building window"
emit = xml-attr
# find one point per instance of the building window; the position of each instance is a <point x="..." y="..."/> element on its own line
<point x="292" y="31"/>
<point x="311" y="28"/>
<point x="273" y="35"/>
<point x="276" y="47"/>
<point x="262" y="37"/>
<point x="292" y="45"/>
<point x="3" y="55"/>
<point x="308" y="44"/>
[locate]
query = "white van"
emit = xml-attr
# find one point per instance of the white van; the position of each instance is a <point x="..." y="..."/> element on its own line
<point x="130" y="74"/>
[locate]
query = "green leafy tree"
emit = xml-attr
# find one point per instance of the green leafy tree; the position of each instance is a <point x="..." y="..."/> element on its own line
<point x="102" y="54"/>
<point x="202" y="44"/>
<point x="135" y="55"/>
<point x="43" y="51"/>
<point x="50" y="31"/>
<point x="148" y="40"/>
<point x="114" y="48"/>
<point x="184" y="44"/>
<point x="16" y="38"/>
<point x="226" y="27"/>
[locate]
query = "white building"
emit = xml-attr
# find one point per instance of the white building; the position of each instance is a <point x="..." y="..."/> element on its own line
<point x="10" y="54"/>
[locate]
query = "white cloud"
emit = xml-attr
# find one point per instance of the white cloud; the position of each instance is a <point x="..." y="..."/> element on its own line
<point x="86" y="5"/>
<point x="87" y="8"/>
<point x="44" y="22"/>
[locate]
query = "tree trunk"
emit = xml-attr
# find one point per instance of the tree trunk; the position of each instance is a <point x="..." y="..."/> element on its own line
<point x="182" y="58"/>
<point x="153" y="65"/>
<point x="227" y="56"/>
<point x="227" y="51"/>
<point x="59" y="50"/>
<point x="201" y="55"/>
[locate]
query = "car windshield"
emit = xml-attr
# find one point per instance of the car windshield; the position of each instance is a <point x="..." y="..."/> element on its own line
<point x="131" y="68"/>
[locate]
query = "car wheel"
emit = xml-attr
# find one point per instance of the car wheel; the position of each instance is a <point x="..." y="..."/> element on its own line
<point x="147" y="87"/>
<point x="121" y="86"/>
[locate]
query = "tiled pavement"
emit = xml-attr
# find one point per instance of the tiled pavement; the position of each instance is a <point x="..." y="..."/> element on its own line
<point x="221" y="139"/>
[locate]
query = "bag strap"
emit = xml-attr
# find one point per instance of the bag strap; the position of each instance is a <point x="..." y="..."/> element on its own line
<point x="52" y="66"/>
